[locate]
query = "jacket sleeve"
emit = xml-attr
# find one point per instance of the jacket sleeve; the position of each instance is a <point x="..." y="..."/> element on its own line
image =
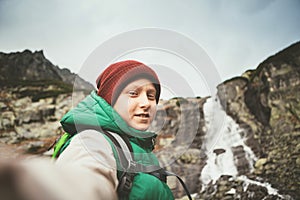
<point x="37" y="179"/>
<point x="91" y="152"/>
<point x="85" y="170"/>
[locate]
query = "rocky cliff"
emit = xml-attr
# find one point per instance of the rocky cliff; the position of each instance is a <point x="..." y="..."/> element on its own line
<point x="265" y="102"/>
<point x="255" y="152"/>
<point x="34" y="95"/>
<point x="241" y="144"/>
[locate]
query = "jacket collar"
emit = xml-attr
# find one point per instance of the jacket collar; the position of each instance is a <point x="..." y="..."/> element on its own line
<point x="94" y="111"/>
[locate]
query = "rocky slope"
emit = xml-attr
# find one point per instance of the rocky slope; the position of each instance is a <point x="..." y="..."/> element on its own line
<point x="257" y="152"/>
<point x="27" y="66"/>
<point x="34" y="94"/>
<point x="242" y="144"/>
<point x="30" y="74"/>
<point x="266" y="103"/>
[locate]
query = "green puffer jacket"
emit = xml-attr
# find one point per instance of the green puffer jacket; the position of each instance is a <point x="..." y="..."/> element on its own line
<point x="95" y="111"/>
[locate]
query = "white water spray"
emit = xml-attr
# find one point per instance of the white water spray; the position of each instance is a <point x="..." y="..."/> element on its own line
<point x="223" y="133"/>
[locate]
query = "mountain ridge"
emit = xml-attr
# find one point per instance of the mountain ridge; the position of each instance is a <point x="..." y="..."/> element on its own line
<point x="34" y="66"/>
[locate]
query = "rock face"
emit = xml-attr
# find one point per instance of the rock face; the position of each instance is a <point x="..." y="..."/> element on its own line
<point x="34" y="96"/>
<point x="266" y="103"/>
<point x="31" y="124"/>
<point x="181" y="130"/>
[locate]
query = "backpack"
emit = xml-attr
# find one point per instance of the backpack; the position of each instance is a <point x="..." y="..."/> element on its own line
<point x="128" y="167"/>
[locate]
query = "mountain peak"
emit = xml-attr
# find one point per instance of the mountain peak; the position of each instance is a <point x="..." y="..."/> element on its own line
<point x="34" y="66"/>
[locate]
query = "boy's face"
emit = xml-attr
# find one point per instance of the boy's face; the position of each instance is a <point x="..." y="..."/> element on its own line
<point x="137" y="104"/>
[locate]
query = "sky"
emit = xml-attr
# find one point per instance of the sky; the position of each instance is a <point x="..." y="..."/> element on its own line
<point x="234" y="35"/>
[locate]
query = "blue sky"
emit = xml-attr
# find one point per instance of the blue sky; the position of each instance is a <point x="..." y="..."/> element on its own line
<point x="236" y="35"/>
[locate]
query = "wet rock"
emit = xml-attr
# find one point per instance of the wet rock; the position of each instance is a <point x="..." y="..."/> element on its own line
<point x="240" y="159"/>
<point x="260" y="163"/>
<point x="219" y="151"/>
<point x="256" y="192"/>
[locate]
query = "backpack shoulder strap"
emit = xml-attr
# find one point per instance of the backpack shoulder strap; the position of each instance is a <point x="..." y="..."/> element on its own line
<point x="121" y="143"/>
<point x="123" y="149"/>
<point x="60" y="144"/>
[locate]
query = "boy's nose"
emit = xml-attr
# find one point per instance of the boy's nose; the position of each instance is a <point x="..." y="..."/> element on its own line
<point x="144" y="101"/>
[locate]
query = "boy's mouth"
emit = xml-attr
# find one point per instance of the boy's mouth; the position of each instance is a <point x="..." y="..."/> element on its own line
<point x="143" y="115"/>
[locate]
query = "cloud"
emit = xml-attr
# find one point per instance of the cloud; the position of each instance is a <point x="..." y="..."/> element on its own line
<point x="237" y="35"/>
<point x="242" y="7"/>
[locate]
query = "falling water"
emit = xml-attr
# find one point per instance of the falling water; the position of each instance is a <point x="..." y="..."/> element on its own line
<point x="223" y="133"/>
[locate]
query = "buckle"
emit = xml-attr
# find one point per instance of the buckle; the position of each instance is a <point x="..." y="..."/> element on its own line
<point x="125" y="184"/>
<point x="160" y="174"/>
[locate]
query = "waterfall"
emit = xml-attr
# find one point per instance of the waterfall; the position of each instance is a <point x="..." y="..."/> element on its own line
<point x="222" y="135"/>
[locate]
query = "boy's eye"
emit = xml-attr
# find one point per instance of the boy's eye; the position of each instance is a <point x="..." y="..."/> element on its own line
<point x="132" y="93"/>
<point x="151" y="96"/>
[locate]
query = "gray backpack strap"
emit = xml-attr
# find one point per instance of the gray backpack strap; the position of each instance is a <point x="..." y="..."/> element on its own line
<point x="133" y="166"/>
<point x="124" y="146"/>
<point x="125" y="158"/>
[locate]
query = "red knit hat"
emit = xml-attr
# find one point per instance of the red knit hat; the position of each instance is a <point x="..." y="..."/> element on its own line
<point x="117" y="76"/>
